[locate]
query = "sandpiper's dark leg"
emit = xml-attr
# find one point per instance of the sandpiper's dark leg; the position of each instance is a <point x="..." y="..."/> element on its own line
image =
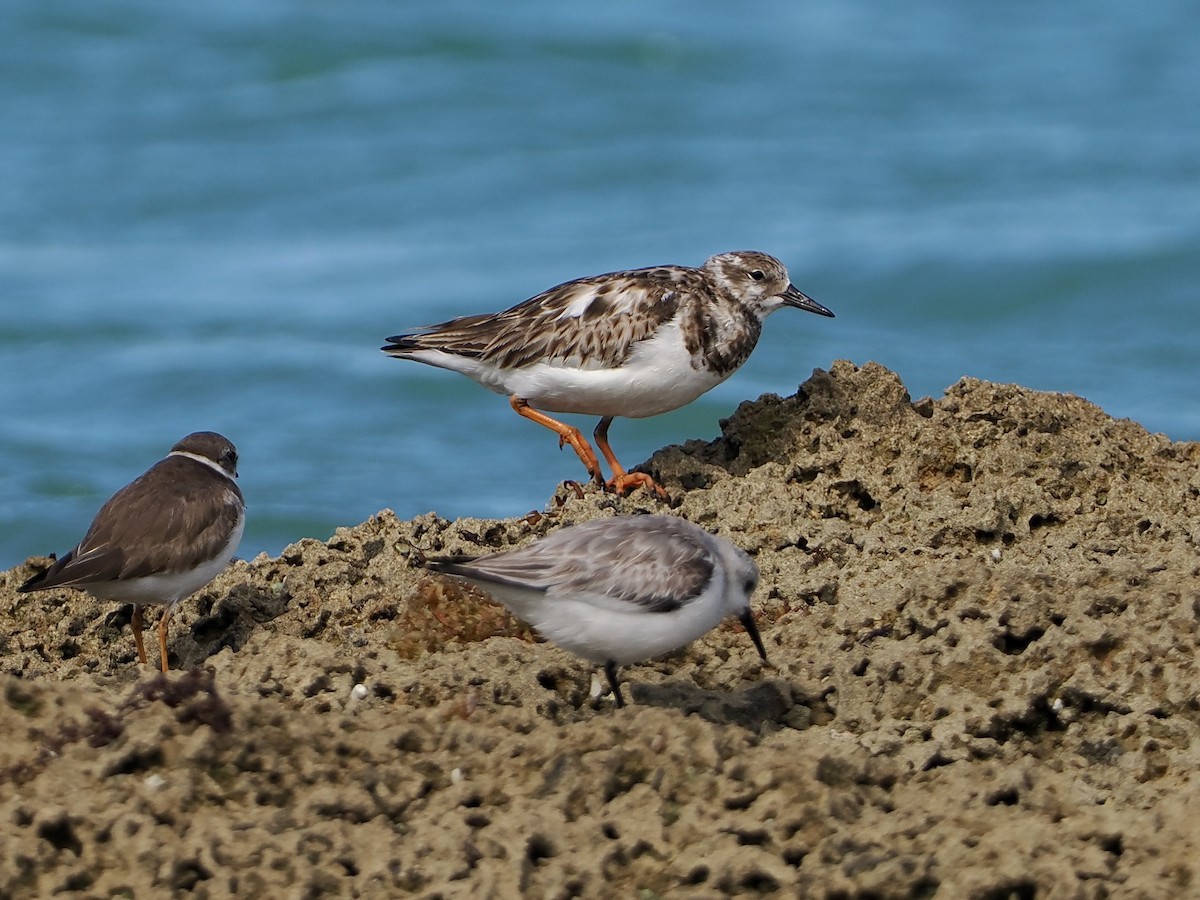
<point x="567" y="434"/>
<point x="136" y="624"/>
<point x="610" y="670"/>
<point x="162" y="637"/>
<point x="623" y="482"/>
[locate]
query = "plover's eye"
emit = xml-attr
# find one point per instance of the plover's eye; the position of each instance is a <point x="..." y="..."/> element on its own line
<point x="757" y="275"/>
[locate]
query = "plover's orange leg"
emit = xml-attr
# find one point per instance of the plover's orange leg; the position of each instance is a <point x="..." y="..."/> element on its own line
<point x="623" y="482"/>
<point x="566" y="435"/>
<point x="162" y="637"/>
<point x="136" y="624"/>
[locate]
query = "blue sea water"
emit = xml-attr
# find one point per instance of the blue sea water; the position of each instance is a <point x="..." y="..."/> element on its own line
<point x="212" y="214"/>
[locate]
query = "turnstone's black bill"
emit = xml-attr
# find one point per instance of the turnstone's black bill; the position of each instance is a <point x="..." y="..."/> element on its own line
<point x="622" y="590"/>
<point x="634" y="344"/>
<point x="162" y="537"/>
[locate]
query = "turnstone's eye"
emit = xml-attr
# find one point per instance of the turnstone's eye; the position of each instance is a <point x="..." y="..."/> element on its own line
<point x="757" y="275"/>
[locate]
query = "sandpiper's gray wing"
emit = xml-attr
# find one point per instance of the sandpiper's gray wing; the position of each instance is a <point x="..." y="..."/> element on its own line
<point x="658" y="563"/>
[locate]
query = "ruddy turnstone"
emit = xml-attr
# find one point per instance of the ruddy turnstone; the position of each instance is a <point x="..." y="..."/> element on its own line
<point x="160" y="538"/>
<point x="621" y="590"/>
<point x="635" y="344"/>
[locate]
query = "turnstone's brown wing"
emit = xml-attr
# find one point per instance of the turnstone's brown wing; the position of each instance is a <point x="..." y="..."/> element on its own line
<point x="177" y="515"/>
<point x="587" y="323"/>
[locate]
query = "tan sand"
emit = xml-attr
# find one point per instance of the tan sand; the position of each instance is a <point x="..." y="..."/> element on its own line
<point x="982" y="612"/>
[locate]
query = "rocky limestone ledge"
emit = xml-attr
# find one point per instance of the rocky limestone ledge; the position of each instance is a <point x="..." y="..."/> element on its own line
<point x="982" y="616"/>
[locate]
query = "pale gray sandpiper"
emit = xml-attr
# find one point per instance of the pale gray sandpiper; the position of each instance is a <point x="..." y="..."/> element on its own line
<point x="634" y="344"/>
<point x="160" y="538"/>
<point x="620" y="590"/>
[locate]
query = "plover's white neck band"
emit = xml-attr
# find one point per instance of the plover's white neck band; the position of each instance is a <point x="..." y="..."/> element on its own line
<point x="202" y="459"/>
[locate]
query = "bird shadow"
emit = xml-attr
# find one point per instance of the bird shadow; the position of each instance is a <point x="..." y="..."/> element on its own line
<point x="770" y="705"/>
<point x="228" y="620"/>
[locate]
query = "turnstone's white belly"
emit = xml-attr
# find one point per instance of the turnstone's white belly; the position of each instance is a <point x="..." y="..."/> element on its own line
<point x="658" y="376"/>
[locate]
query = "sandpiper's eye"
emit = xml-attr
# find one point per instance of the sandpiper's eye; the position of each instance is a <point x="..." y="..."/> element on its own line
<point x="757" y="275"/>
<point x="750" y="585"/>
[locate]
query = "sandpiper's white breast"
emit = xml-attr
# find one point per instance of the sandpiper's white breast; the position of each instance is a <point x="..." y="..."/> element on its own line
<point x="598" y="633"/>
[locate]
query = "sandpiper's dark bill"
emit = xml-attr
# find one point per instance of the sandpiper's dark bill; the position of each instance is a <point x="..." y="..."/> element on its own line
<point x="160" y="538"/>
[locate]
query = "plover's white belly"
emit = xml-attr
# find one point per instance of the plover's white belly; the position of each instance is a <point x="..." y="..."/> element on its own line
<point x="657" y="377"/>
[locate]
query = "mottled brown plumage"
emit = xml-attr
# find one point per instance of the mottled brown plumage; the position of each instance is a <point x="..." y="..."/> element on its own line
<point x="634" y="343"/>
<point x="600" y="336"/>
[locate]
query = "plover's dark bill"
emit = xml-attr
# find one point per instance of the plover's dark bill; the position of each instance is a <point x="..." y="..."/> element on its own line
<point x="635" y="344"/>
<point x="621" y="590"/>
<point x="162" y="537"/>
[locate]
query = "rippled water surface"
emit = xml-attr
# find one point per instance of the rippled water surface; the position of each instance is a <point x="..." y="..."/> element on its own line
<point x="212" y="214"/>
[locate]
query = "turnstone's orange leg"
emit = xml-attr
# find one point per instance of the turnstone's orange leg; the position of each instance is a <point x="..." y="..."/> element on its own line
<point x="566" y="435"/>
<point x="162" y="637"/>
<point x="623" y="482"/>
<point x="136" y="623"/>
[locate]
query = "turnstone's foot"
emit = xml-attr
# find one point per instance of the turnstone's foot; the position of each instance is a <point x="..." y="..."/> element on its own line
<point x="623" y="482"/>
<point x="626" y="482"/>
